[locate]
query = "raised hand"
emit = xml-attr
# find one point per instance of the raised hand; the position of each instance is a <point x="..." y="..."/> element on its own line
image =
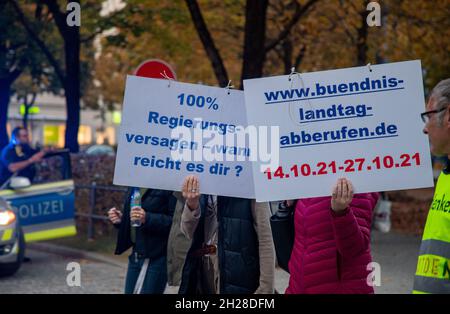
<point x="191" y="192"/>
<point x="342" y="195"/>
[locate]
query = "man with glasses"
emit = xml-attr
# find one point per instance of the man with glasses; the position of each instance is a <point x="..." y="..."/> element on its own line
<point x="433" y="267"/>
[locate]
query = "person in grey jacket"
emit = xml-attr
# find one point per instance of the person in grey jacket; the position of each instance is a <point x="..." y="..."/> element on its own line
<point x="178" y="245"/>
<point x="232" y="233"/>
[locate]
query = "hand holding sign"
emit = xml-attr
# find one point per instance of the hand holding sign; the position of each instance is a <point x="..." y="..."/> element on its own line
<point x="342" y="195"/>
<point x="191" y="192"/>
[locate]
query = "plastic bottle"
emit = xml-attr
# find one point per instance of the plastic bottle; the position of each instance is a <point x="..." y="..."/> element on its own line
<point x="135" y="201"/>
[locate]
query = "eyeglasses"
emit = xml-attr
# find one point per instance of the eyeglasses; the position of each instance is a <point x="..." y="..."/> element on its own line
<point x="426" y="115"/>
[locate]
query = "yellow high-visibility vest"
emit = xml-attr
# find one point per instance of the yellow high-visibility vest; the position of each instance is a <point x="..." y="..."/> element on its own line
<point x="433" y="267"/>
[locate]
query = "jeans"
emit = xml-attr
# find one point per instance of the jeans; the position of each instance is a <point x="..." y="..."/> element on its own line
<point x="155" y="278"/>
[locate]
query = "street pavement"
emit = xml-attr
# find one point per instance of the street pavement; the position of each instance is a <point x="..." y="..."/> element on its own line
<point x="46" y="273"/>
<point x="397" y="256"/>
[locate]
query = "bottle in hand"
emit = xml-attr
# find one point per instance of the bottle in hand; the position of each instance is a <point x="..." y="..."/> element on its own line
<point x="135" y="201"/>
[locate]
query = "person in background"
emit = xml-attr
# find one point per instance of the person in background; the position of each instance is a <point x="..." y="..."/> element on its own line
<point x="433" y="267"/>
<point x="331" y="249"/>
<point x="147" y="264"/>
<point x="18" y="156"/>
<point x="232" y="248"/>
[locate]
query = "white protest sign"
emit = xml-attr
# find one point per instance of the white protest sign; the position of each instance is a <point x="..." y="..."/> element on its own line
<point x="360" y="123"/>
<point x="170" y="130"/>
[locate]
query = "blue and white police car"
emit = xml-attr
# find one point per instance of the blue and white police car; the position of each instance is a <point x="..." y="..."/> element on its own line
<point x="35" y="212"/>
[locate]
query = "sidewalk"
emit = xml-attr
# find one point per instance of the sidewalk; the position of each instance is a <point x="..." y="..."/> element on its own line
<point x="396" y="254"/>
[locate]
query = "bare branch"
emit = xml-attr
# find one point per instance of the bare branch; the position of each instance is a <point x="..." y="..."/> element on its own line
<point x="14" y="75"/>
<point x="299" y="12"/>
<point x="361" y="44"/>
<point x="91" y="36"/>
<point x="60" y="17"/>
<point x="100" y="29"/>
<point x="30" y="103"/>
<point x="300" y="57"/>
<point x="33" y="99"/>
<point x="52" y="60"/>
<point x="207" y="41"/>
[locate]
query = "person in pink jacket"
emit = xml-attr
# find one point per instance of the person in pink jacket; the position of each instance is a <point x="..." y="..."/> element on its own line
<point x="331" y="249"/>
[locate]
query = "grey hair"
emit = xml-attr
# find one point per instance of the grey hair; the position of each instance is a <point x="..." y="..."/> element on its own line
<point x="441" y="96"/>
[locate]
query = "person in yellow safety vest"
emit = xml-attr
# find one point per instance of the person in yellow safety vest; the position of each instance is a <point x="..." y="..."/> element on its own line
<point x="433" y="267"/>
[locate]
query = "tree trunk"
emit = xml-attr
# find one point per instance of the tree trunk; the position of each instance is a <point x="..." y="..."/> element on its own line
<point x="5" y="90"/>
<point x="72" y="87"/>
<point x="361" y="44"/>
<point x="254" y="39"/>
<point x="27" y="107"/>
<point x="25" y="117"/>
<point x="287" y="55"/>
<point x="208" y="43"/>
<point x="71" y="78"/>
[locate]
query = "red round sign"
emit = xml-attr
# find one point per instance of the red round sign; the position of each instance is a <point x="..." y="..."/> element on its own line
<point x="155" y="68"/>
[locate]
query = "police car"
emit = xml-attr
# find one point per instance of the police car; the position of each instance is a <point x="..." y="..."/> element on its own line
<point x="12" y="242"/>
<point x="35" y="212"/>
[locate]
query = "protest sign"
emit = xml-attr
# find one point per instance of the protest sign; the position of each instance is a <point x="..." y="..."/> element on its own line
<point x="361" y="123"/>
<point x="171" y="130"/>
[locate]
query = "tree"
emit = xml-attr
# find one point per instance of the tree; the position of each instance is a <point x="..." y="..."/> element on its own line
<point x="70" y="78"/>
<point x="208" y="43"/>
<point x="147" y="29"/>
<point x="419" y="30"/>
<point x="17" y="53"/>
<point x="69" y="75"/>
<point x="206" y="40"/>
<point x="26" y="88"/>
<point x="254" y="39"/>
<point x="256" y="44"/>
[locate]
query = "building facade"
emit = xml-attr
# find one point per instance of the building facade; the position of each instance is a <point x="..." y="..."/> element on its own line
<point x="47" y="122"/>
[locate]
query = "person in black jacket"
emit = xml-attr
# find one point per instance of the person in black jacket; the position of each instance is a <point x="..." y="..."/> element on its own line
<point x="232" y="249"/>
<point x="147" y="267"/>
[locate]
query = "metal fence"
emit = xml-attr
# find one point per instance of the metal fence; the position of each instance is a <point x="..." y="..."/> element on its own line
<point x="90" y="215"/>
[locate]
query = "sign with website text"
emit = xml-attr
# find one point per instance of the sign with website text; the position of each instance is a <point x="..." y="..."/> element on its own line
<point x="360" y="123"/>
<point x="170" y="130"/>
